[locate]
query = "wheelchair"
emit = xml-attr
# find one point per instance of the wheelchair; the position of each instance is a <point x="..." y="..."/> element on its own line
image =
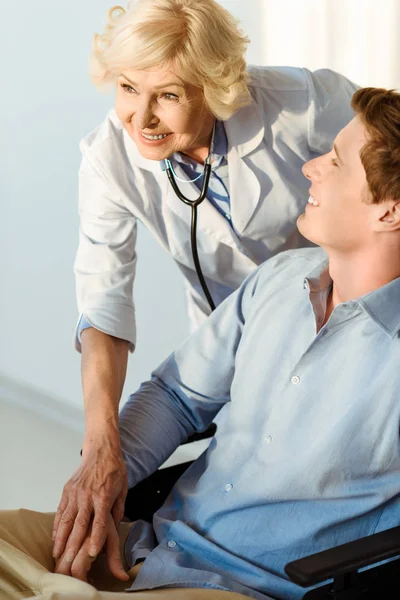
<point x="365" y="569"/>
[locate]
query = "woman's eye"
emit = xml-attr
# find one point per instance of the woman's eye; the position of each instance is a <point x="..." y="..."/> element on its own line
<point x="128" y="88"/>
<point x="334" y="162"/>
<point x="172" y="97"/>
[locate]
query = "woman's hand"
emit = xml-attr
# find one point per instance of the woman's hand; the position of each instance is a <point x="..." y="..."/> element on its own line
<point x="96" y="491"/>
<point x="80" y="566"/>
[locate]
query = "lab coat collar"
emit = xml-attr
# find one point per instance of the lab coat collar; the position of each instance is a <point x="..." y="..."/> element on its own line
<point x="245" y="129"/>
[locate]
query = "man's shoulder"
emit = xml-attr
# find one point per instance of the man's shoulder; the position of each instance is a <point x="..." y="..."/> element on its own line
<point x="298" y="262"/>
<point x="283" y="272"/>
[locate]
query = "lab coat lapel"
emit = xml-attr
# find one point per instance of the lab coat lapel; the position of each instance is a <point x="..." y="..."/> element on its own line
<point x="245" y="132"/>
<point x="209" y="220"/>
<point x="244" y="189"/>
<point x="241" y="177"/>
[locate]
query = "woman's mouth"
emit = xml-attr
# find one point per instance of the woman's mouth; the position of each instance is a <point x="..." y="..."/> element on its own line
<point x="154" y="138"/>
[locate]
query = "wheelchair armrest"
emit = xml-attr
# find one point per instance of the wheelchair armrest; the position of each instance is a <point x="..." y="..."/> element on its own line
<point x="345" y="558"/>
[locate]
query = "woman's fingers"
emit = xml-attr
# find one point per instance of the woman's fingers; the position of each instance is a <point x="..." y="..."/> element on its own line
<point x="79" y="566"/>
<point x="118" y="510"/>
<point x="78" y="533"/>
<point x="113" y="553"/>
<point x="87" y="500"/>
<point x="65" y="525"/>
<point x="99" y="527"/>
<point x="60" y="511"/>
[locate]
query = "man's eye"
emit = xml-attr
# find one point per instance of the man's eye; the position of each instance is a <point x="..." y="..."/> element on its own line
<point x="128" y="88"/>
<point x="334" y="162"/>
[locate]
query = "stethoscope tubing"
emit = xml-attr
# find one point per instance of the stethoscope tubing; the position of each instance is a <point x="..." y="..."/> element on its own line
<point x="194" y="204"/>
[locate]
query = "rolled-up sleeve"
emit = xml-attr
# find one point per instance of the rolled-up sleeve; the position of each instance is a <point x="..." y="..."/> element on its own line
<point x="329" y="95"/>
<point x="105" y="261"/>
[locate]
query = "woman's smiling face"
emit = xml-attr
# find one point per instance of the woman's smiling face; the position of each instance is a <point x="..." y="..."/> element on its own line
<point x="162" y="113"/>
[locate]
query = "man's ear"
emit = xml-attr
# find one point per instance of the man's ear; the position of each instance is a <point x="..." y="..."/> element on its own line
<point x="388" y="214"/>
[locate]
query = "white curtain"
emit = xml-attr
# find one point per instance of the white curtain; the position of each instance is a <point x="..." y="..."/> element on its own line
<point x="359" y="38"/>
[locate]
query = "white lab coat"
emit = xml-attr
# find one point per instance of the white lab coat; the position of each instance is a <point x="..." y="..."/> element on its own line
<point x="294" y="116"/>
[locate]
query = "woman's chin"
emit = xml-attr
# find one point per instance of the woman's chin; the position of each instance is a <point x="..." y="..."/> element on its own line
<point x="157" y="150"/>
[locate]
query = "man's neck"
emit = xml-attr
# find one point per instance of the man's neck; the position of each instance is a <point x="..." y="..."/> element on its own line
<point x="360" y="273"/>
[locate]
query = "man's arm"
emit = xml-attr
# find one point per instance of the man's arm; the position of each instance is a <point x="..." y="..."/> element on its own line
<point x="187" y="391"/>
<point x="99" y="486"/>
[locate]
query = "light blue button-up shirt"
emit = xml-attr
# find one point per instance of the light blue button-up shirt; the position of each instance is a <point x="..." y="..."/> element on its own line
<point x="306" y="454"/>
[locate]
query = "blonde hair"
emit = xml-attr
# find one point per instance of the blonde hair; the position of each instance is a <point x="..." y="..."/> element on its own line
<point x="379" y="110"/>
<point x="198" y="39"/>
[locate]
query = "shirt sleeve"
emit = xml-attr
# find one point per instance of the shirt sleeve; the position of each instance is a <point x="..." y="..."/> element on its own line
<point x="187" y="391"/>
<point x="82" y="325"/>
<point x="329" y="109"/>
<point x="105" y="261"/>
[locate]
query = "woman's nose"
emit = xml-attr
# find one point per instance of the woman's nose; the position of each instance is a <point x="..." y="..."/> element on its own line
<point x="145" y="116"/>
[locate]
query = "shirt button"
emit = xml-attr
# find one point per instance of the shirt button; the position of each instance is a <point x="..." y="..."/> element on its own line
<point x="228" y="487"/>
<point x="268" y="439"/>
<point x="171" y="544"/>
<point x="295" y="379"/>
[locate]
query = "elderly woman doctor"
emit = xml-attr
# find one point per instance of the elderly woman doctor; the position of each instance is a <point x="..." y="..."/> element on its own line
<point x="185" y="98"/>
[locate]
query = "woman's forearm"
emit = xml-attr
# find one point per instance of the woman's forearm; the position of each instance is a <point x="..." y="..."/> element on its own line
<point x="98" y="487"/>
<point x="104" y="363"/>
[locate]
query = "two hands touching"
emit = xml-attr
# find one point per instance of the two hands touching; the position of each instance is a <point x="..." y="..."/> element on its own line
<point x="90" y="511"/>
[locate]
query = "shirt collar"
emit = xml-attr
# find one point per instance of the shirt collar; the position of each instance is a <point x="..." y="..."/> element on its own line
<point x="319" y="278"/>
<point x="382" y="305"/>
<point x="219" y="150"/>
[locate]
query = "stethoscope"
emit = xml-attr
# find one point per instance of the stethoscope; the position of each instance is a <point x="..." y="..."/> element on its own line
<point x="194" y="204"/>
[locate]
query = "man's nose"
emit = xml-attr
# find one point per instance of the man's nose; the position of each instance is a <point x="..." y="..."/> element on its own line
<point x="145" y="116"/>
<point x="312" y="169"/>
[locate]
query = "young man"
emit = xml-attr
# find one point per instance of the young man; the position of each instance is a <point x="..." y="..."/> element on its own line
<point x="301" y="364"/>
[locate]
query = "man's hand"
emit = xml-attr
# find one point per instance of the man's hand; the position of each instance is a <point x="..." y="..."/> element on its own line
<point x="96" y="491"/>
<point x="80" y="566"/>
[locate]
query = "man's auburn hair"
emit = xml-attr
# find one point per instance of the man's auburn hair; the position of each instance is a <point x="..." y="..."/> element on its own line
<point x="379" y="110"/>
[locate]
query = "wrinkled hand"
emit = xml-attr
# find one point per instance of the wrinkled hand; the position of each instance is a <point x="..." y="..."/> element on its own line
<point x="80" y="566"/>
<point x="96" y="491"/>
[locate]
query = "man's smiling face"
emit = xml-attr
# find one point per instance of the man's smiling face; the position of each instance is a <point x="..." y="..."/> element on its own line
<point x="339" y="214"/>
